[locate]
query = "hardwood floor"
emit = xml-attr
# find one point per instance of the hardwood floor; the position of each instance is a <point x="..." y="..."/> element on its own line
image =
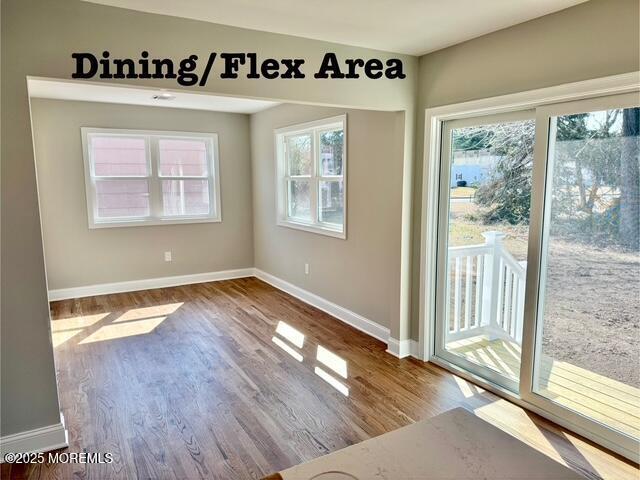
<point x="236" y="379"/>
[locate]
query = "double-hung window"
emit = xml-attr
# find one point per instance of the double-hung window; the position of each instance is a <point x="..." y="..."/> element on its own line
<point x="312" y="177"/>
<point x="136" y="177"/>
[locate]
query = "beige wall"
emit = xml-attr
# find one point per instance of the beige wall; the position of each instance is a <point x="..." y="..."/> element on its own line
<point x="77" y="256"/>
<point x="342" y="271"/>
<point x="593" y="39"/>
<point x="38" y="37"/>
<point x="361" y="273"/>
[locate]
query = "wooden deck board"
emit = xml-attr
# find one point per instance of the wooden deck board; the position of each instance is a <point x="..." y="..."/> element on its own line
<point x="589" y="393"/>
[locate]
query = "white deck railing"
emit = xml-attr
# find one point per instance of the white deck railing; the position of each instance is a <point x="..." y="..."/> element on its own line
<point x="487" y="291"/>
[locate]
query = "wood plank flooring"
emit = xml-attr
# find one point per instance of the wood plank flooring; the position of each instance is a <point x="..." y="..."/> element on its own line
<point x="236" y="379"/>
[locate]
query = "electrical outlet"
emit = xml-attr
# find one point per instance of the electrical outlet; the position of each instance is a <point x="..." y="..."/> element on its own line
<point x="306" y="269"/>
<point x="167" y="256"/>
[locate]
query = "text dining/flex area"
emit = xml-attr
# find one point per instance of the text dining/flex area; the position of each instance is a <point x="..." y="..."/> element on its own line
<point x="322" y="241"/>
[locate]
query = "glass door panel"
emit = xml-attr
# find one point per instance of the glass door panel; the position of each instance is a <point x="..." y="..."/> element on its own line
<point x="587" y="348"/>
<point x="485" y="200"/>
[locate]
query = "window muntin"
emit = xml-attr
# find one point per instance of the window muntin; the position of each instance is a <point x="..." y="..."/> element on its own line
<point x="311" y="162"/>
<point x="150" y="177"/>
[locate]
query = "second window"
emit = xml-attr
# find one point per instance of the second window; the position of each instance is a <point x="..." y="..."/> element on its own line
<point x="312" y="186"/>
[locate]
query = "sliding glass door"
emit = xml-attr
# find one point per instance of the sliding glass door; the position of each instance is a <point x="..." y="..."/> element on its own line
<point x="585" y="322"/>
<point x="538" y="259"/>
<point x="485" y="198"/>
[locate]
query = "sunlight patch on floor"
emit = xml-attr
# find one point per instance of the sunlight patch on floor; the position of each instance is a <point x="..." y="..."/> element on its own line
<point x="291" y="334"/>
<point x="287" y="348"/>
<point x="464" y="386"/>
<point x="122" y="330"/>
<point x="79" y="322"/>
<point x="58" y="338"/>
<point x="341" y="387"/>
<point x="149" y="312"/>
<point x="333" y="361"/>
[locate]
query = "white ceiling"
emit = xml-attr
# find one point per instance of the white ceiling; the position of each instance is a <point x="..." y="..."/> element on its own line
<point x="404" y="26"/>
<point x="91" y="92"/>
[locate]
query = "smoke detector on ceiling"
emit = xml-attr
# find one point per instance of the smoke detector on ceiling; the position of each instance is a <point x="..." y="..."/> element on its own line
<point x="164" y="96"/>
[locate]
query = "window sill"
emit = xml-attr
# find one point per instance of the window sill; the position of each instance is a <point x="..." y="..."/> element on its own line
<point x="321" y="230"/>
<point x="154" y="222"/>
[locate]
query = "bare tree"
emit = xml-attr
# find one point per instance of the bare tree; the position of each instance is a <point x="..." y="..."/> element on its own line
<point x="506" y="195"/>
<point x="630" y="179"/>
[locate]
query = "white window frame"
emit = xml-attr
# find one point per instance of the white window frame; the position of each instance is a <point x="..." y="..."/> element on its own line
<point x="155" y="217"/>
<point x="314" y="129"/>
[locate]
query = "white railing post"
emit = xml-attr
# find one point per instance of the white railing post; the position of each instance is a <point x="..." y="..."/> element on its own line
<point x="491" y="280"/>
<point x="520" y="306"/>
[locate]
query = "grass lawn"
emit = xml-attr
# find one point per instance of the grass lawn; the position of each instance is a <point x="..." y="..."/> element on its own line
<point x="468" y="233"/>
<point x="463" y="192"/>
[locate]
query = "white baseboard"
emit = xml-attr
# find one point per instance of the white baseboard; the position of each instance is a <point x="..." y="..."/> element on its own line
<point x="41" y="439"/>
<point x="347" y="316"/>
<point x="403" y="348"/>
<point x="400" y="349"/>
<point x="146" y="284"/>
